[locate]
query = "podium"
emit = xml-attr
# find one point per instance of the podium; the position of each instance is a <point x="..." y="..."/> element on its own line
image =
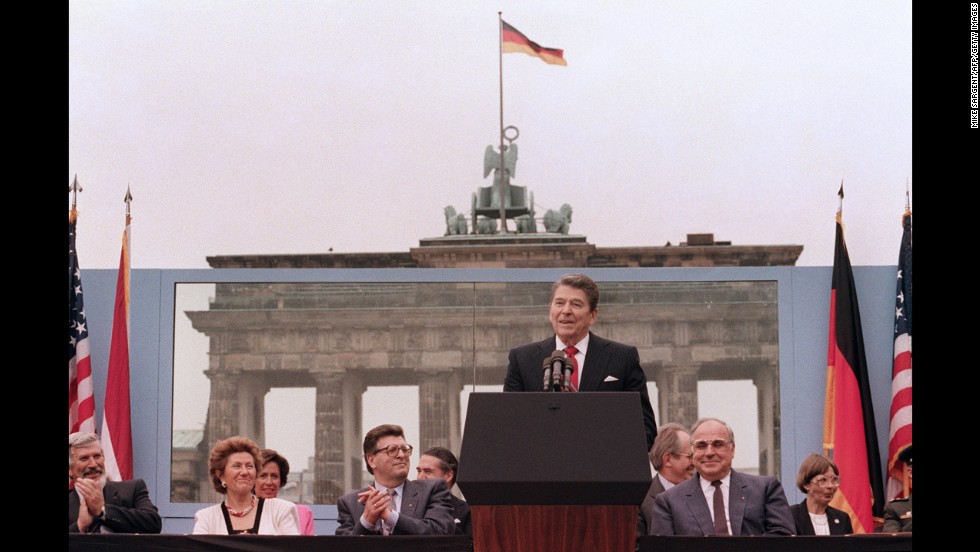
<point x="554" y="471"/>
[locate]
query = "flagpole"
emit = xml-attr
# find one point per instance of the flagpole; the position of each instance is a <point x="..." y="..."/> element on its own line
<point x="908" y="206"/>
<point x="128" y="200"/>
<point x="503" y="148"/>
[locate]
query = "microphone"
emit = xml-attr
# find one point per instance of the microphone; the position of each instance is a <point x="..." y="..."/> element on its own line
<point x="557" y="366"/>
<point x="549" y="371"/>
<point x="566" y="373"/>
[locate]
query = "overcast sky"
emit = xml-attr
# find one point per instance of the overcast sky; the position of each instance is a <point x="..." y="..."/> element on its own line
<point x="296" y="126"/>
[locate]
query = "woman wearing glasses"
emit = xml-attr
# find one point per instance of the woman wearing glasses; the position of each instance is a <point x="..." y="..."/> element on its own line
<point x="819" y="479"/>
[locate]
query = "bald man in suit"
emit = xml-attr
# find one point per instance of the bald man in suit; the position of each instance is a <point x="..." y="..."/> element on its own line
<point x="750" y="504"/>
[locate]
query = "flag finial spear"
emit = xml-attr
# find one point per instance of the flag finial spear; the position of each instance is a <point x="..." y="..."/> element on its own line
<point x="908" y="205"/>
<point x="73" y="189"/>
<point x="840" y="205"/>
<point x="128" y="200"/>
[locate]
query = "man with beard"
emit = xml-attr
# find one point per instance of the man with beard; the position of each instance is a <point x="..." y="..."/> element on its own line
<point x="393" y="505"/>
<point x="97" y="505"/>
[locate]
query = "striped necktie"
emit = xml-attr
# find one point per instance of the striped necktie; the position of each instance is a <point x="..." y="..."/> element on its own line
<point x="385" y="528"/>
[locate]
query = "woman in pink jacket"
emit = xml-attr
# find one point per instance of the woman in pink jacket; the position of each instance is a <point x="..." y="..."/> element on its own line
<point x="272" y="477"/>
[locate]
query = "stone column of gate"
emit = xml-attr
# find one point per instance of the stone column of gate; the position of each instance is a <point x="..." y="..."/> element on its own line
<point x="439" y="424"/>
<point x="677" y="387"/>
<point x="328" y="470"/>
<point x="222" y="418"/>
<point x="766" y="382"/>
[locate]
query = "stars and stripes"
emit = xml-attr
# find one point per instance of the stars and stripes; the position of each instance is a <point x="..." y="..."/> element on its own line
<point x="81" y="400"/>
<point x="900" y="426"/>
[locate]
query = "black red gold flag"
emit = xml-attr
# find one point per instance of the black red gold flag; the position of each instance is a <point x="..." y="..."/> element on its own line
<point x="515" y="41"/>
<point x="850" y="438"/>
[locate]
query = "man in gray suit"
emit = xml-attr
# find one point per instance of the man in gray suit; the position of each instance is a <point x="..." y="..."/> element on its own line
<point x="394" y="505"/>
<point x="744" y="505"/>
<point x="605" y="365"/>
<point x="671" y="459"/>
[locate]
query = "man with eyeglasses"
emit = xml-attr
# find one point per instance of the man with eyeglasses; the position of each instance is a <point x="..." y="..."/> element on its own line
<point x="671" y="459"/>
<point x="393" y="505"/>
<point x="718" y="500"/>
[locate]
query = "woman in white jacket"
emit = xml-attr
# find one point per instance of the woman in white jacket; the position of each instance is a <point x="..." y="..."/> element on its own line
<point x="233" y="467"/>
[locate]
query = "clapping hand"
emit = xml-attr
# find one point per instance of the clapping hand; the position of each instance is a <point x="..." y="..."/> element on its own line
<point x="377" y="504"/>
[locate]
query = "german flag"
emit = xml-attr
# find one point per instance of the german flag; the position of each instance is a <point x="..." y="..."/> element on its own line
<point x="850" y="438"/>
<point x="515" y="41"/>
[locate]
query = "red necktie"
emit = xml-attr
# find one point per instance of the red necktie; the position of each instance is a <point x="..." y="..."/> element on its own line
<point x="571" y="352"/>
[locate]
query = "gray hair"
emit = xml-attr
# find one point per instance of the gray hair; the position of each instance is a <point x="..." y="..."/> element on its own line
<point x="81" y="439"/>
<point x="667" y="441"/>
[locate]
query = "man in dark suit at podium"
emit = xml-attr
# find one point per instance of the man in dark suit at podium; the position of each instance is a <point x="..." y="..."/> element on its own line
<point x="605" y="365"/>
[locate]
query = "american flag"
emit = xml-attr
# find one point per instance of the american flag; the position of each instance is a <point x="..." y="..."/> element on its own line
<point x="81" y="400"/>
<point x="900" y="430"/>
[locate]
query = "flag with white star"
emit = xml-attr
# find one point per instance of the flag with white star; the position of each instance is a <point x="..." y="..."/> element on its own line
<point x="81" y="400"/>
<point x="900" y="426"/>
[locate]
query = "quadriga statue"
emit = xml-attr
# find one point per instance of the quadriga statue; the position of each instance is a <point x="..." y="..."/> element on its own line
<point x="556" y="222"/>
<point x="455" y="223"/>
